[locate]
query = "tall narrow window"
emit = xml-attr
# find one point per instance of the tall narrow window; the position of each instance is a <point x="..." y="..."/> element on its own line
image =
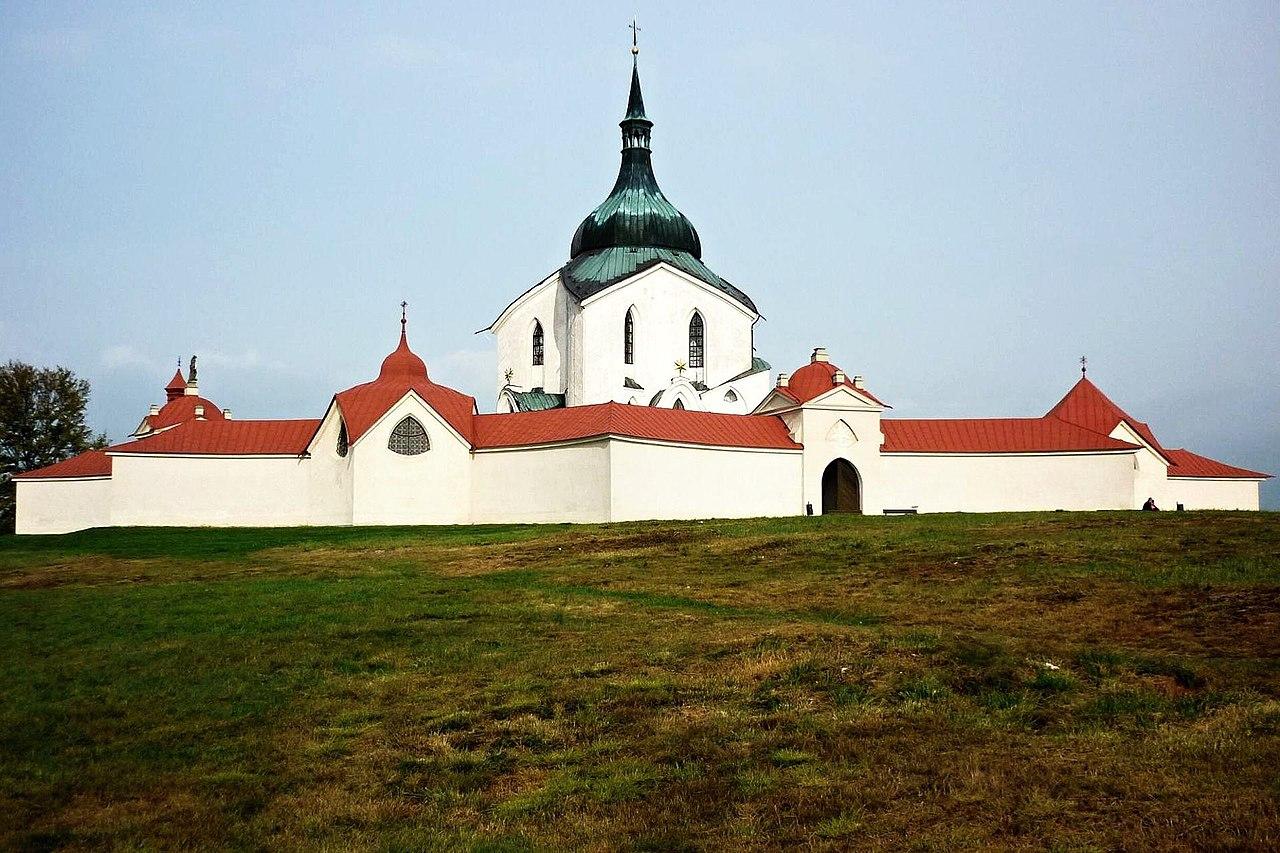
<point x="629" y="339"/>
<point x="537" y="342"/>
<point x="697" y="347"/>
<point x="409" y="438"/>
<point x="343" y="443"/>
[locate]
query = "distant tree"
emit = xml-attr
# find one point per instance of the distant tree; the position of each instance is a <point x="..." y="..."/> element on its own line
<point x="41" y="422"/>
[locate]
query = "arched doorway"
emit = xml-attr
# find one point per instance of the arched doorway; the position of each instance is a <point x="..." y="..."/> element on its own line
<point x="841" y="488"/>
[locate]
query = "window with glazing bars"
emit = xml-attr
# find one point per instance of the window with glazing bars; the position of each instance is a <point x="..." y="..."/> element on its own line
<point x="629" y="339"/>
<point x="343" y="443"/>
<point x="697" y="348"/>
<point x="537" y="342"/>
<point x="409" y="438"/>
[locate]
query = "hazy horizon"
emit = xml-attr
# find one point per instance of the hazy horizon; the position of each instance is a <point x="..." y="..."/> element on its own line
<point x="957" y="202"/>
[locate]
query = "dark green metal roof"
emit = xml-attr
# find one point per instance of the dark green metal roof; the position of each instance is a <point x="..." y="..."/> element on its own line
<point x="636" y="226"/>
<point x="636" y="213"/>
<point x="588" y="274"/>
<point x="536" y="401"/>
<point x="758" y="365"/>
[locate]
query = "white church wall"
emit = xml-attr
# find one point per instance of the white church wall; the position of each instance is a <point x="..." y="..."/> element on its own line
<point x="330" y="476"/>
<point x="546" y="303"/>
<point x="664" y="301"/>
<point x="253" y="491"/>
<point x="1150" y="471"/>
<point x="1205" y="493"/>
<point x="749" y="390"/>
<point x="560" y="483"/>
<point x="1007" y="482"/>
<point x="430" y="488"/>
<point x="840" y="426"/>
<point x="61" y="506"/>
<point x="651" y="481"/>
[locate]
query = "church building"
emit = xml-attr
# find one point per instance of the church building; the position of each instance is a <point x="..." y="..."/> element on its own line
<point x="628" y="388"/>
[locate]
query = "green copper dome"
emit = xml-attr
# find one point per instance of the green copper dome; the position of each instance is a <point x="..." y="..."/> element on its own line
<point x="636" y="213"/>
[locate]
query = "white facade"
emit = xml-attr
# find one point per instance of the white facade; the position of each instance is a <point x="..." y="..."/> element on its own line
<point x="63" y="505"/>
<point x="583" y="344"/>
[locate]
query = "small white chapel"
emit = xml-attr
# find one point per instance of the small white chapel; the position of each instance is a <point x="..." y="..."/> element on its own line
<point x="628" y="388"/>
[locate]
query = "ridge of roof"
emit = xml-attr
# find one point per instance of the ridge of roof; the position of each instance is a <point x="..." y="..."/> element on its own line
<point x="1188" y="464"/>
<point x="90" y="463"/>
<point x="1085" y="405"/>
<point x="714" y="429"/>
<point x="226" y="438"/>
<point x="992" y="435"/>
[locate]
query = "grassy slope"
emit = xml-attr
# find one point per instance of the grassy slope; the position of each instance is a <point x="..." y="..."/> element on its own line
<point x="1081" y="681"/>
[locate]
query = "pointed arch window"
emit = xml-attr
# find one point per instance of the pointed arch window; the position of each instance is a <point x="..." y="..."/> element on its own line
<point x="344" y="444"/>
<point x="629" y="339"/>
<point x="409" y="438"/>
<point x="537" y="342"/>
<point x="679" y="404"/>
<point x="697" y="341"/>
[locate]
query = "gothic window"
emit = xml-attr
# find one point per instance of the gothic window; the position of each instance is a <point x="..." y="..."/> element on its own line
<point x="731" y="396"/>
<point x="343" y="443"/>
<point x="679" y="405"/>
<point x="409" y="438"/>
<point x="697" y="348"/>
<point x="629" y="339"/>
<point x="537" y="343"/>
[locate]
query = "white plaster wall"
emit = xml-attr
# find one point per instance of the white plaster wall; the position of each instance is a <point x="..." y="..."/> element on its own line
<point x="567" y="483"/>
<point x="548" y="302"/>
<point x="430" y="488"/>
<point x="841" y="426"/>
<point x="1150" y="471"/>
<point x="61" y="506"/>
<point x="668" y="481"/>
<point x="1007" y="482"/>
<point x="330" y="476"/>
<point x="663" y="302"/>
<point x="209" y="491"/>
<point x="1205" y="493"/>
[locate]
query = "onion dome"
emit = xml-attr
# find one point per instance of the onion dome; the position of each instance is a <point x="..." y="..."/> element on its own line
<point x="636" y="213"/>
<point x="403" y="363"/>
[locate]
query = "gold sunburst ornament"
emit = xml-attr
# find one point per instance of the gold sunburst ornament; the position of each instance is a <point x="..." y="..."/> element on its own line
<point x="681" y="367"/>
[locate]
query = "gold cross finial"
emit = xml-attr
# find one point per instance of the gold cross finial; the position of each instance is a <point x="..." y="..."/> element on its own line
<point x="635" y="45"/>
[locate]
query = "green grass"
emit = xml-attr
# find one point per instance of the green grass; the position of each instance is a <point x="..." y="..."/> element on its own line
<point x="1071" y="681"/>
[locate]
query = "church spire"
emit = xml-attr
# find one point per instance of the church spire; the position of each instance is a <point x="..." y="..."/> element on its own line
<point x="635" y="125"/>
<point x="636" y="214"/>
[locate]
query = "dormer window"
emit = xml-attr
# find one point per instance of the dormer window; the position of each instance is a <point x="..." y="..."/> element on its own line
<point x="697" y="343"/>
<point x="409" y="438"/>
<point x="537" y="343"/>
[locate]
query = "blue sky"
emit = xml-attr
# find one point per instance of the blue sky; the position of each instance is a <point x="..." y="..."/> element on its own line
<point x="957" y="200"/>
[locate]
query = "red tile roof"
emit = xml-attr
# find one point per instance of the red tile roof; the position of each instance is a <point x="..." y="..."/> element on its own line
<point x="1085" y="405"/>
<point x="818" y="377"/>
<point x="91" y="463"/>
<point x="402" y="372"/>
<point x="991" y="435"/>
<point x="182" y="409"/>
<point x="227" y="438"/>
<point x="577" y="422"/>
<point x="1188" y="464"/>
<point x="177" y="385"/>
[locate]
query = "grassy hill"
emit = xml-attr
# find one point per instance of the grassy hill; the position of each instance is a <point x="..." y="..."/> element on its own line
<point x="1074" y="681"/>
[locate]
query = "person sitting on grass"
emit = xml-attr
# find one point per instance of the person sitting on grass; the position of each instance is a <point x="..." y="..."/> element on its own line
<point x="1150" y="506"/>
